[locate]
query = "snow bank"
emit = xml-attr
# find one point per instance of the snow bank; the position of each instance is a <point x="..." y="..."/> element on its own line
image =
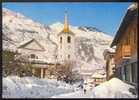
<point x="132" y="6"/>
<point x="32" y="87"/>
<point x="114" y="88"/>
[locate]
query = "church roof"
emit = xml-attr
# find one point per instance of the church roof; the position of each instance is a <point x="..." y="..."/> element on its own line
<point x="66" y="29"/>
<point x="69" y="32"/>
<point x="30" y="41"/>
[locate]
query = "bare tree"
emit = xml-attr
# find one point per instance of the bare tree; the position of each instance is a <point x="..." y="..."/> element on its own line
<point x="65" y="72"/>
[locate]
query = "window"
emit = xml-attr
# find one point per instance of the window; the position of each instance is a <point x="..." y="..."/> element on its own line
<point x="135" y="36"/>
<point x="128" y="73"/>
<point x="134" y="72"/>
<point x="68" y="56"/>
<point x="60" y="39"/>
<point x="32" y="55"/>
<point x="69" y="39"/>
<point x="36" y="57"/>
<point x="123" y="72"/>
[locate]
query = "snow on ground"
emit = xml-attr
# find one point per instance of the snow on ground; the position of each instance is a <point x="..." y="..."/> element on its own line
<point x="77" y="94"/>
<point x="32" y="87"/>
<point x="113" y="88"/>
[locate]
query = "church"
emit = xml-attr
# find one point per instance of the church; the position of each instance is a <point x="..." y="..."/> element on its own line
<point x="35" y="51"/>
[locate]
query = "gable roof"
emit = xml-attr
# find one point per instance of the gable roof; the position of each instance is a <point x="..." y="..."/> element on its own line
<point x="30" y="41"/>
<point x="128" y="18"/>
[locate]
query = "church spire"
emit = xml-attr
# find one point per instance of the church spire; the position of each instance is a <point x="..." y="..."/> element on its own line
<point x="66" y="25"/>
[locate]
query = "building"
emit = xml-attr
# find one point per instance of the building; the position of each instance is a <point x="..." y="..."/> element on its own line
<point x="34" y="52"/>
<point x="66" y="38"/>
<point x="126" y="47"/>
<point x="32" y="49"/>
<point x="38" y="53"/>
<point x="98" y="78"/>
<point x="110" y="64"/>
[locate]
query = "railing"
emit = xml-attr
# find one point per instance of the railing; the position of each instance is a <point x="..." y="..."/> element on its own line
<point x="34" y="59"/>
<point x="126" y="51"/>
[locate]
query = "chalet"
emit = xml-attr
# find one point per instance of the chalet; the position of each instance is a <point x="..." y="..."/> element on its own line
<point x="126" y="47"/>
<point x="95" y="78"/>
<point x="110" y="64"/>
<point x="98" y="78"/>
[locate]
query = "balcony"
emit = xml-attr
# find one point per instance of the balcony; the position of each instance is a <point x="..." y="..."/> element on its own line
<point x="37" y="60"/>
<point x="122" y="53"/>
<point x="126" y="52"/>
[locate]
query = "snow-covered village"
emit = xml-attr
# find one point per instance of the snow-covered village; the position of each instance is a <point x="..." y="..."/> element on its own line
<point x="67" y="50"/>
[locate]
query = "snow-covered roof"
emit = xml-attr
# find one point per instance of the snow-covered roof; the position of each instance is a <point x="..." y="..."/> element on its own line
<point x="131" y="14"/>
<point x="108" y="51"/>
<point x="46" y="46"/>
<point x="83" y="73"/>
<point x="25" y="41"/>
<point x="30" y="41"/>
<point x="111" y="49"/>
<point x="98" y="75"/>
<point x="132" y="6"/>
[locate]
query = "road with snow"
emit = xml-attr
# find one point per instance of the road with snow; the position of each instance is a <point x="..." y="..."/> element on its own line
<point x="77" y="94"/>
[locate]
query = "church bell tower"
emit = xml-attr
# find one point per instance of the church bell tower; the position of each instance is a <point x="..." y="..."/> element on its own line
<point x="66" y="41"/>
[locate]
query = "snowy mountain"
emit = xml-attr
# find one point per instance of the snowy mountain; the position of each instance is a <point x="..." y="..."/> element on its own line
<point x="90" y="41"/>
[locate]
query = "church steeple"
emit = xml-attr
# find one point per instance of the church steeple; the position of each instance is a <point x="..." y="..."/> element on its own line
<point x="66" y="44"/>
<point x="66" y="25"/>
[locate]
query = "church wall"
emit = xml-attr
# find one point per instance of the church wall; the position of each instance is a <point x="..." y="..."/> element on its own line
<point x="39" y="54"/>
<point x="66" y="48"/>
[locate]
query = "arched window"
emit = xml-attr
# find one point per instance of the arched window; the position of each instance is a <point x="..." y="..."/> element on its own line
<point x="60" y="39"/>
<point x="32" y="55"/>
<point x="69" y="39"/>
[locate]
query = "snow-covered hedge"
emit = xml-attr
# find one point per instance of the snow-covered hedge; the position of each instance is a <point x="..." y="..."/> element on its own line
<point x="32" y="87"/>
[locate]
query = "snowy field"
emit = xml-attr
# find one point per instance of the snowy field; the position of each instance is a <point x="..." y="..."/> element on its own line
<point x="31" y="87"/>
